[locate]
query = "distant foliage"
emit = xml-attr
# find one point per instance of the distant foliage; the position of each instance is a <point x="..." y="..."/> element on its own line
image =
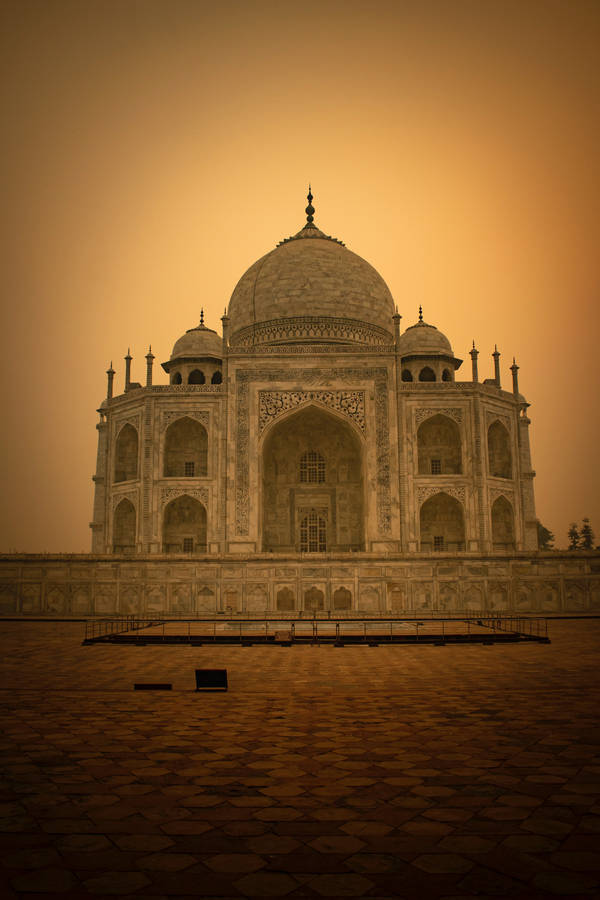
<point x="545" y="538"/>
<point x="586" y="535"/>
<point x="574" y="536"/>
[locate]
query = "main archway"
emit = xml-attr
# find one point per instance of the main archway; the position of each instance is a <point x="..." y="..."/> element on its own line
<point x="312" y="484"/>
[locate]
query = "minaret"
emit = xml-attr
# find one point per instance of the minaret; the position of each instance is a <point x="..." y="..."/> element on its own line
<point x="474" y="354"/>
<point x="149" y="361"/>
<point x="128" y="370"/>
<point x="397" y="319"/>
<point x="111" y="375"/>
<point x="496" y="356"/>
<point x="515" y="377"/>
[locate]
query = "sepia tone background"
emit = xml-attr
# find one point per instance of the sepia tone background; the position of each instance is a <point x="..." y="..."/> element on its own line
<point x="153" y="150"/>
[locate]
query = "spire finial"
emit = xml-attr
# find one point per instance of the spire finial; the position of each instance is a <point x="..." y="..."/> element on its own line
<point x="473" y="343"/>
<point x="202" y="317"/>
<point x="420" y="313"/>
<point x="310" y="210"/>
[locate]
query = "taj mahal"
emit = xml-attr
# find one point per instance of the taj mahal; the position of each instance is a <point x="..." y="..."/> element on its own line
<point x="314" y="456"/>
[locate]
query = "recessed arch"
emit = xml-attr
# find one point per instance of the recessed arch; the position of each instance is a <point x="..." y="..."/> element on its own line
<point x="406" y="375"/>
<point x="439" y="446"/>
<point x="186" y="449"/>
<point x="286" y="599"/>
<point x="442" y="523"/>
<point x="313" y="441"/>
<point x="446" y="375"/>
<point x="427" y="374"/>
<point x="314" y="599"/>
<point x="196" y="377"/>
<point x="126" y="454"/>
<point x="342" y="598"/>
<point x="499" y="452"/>
<point x="217" y="377"/>
<point x="124" y="527"/>
<point x="176" y="378"/>
<point x="503" y="524"/>
<point x="184" y="526"/>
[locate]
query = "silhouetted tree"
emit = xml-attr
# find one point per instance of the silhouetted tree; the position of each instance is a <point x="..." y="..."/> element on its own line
<point x="545" y="537"/>
<point x="574" y="537"/>
<point x="586" y="535"/>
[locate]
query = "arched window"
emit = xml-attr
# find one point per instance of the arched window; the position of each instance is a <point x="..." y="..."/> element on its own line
<point x="442" y="524"/>
<point x="312" y="467"/>
<point x="124" y="528"/>
<point x="184" y="526"/>
<point x="446" y="376"/>
<point x="313" y="534"/>
<point x="438" y="442"/>
<point x="406" y="375"/>
<point x="196" y="377"/>
<point x="126" y="454"/>
<point x="503" y="525"/>
<point x="186" y="449"/>
<point x="499" y="455"/>
<point x="427" y="374"/>
<point x="176" y="378"/>
<point x="217" y="377"/>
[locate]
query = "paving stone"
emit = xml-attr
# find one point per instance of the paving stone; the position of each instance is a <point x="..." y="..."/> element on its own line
<point x="340" y="885"/>
<point x="266" y="884"/>
<point x="53" y="879"/>
<point x="442" y="863"/>
<point x="235" y="862"/>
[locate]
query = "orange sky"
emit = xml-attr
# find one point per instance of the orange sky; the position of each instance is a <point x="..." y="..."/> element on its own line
<point x="153" y="150"/>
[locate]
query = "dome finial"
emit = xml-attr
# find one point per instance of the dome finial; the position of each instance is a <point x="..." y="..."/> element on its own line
<point x="420" y="313"/>
<point x="202" y="318"/>
<point x="310" y="210"/>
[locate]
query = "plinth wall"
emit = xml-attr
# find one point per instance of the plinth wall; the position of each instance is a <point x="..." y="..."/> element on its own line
<point x="181" y="586"/>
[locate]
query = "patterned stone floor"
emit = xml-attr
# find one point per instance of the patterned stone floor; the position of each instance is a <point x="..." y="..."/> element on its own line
<point x="376" y="772"/>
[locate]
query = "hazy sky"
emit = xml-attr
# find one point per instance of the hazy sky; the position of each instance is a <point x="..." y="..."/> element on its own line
<point x="153" y="150"/>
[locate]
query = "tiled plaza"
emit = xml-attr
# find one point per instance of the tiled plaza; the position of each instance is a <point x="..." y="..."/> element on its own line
<point x="401" y="771"/>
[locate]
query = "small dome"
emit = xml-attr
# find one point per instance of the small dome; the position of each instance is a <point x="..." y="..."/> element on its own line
<point x="424" y="340"/>
<point x="198" y="343"/>
<point x="311" y="288"/>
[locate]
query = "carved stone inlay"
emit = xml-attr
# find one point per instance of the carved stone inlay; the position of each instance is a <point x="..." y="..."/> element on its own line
<point x="491" y="415"/>
<point x="377" y="375"/>
<point x="273" y="403"/>
<point x="132" y="496"/>
<point x="313" y="329"/>
<point x="130" y="419"/>
<point x="170" y="493"/>
<point x="453" y="412"/>
<point x="501" y="492"/>
<point x="170" y="415"/>
<point x="427" y="491"/>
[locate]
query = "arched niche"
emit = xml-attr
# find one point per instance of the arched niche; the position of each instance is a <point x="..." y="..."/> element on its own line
<point x="446" y="375"/>
<point x="217" y="377"/>
<point x="342" y="598"/>
<point x="196" y="377"/>
<point x="176" y="378"/>
<point x="439" y="446"/>
<point x="124" y="527"/>
<point x="442" y="523"/>
<point x="427" y="374"/>
<point x="186" y="449"/>
<point x="503" y="525"/>
<point x="499" y="453"/>
<point x="314" y="599"/>
<point x="312" y="462"/>
<point x="286" y="600"/>
<point x="126" y="454"/>
<point x="406" y="375"/>
<point x="184" y="526"/>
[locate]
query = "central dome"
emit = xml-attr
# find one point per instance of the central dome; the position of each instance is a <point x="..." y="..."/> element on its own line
<point x="311" y="289"/>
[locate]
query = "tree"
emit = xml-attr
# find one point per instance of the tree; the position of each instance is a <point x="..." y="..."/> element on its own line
<point x="574" y="537"/>
<point x="586" y="535"/>
<point x="545" y="537"/>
